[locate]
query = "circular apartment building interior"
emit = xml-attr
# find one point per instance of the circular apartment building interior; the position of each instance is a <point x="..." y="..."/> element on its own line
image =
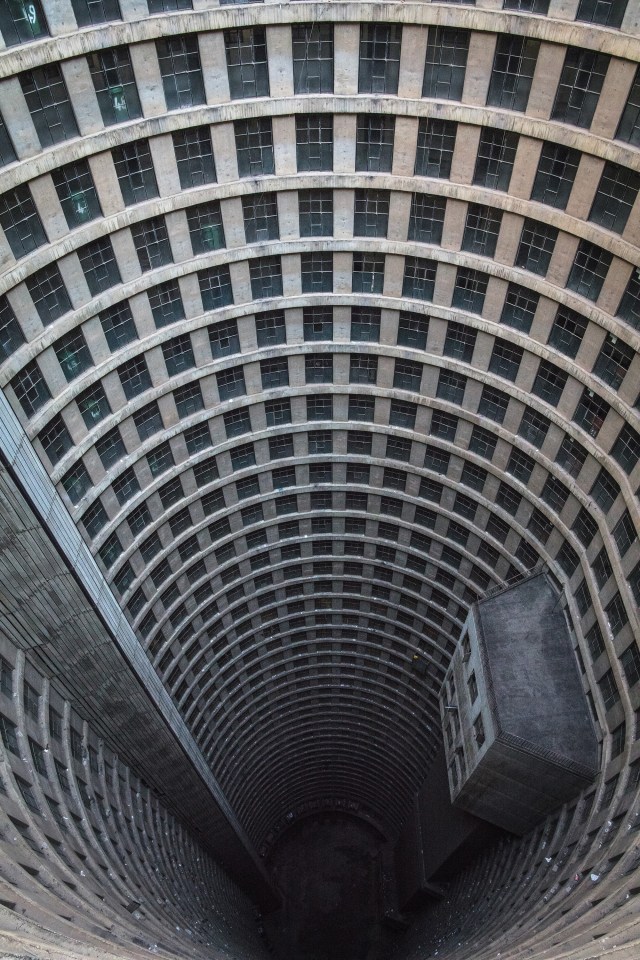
<point x="319" y="479"/>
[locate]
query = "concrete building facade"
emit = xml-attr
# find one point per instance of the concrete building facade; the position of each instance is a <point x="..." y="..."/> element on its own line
<point x="318" y="321"/>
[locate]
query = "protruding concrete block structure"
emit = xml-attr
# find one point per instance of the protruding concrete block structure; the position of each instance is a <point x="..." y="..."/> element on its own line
<point x="518" y="735"/>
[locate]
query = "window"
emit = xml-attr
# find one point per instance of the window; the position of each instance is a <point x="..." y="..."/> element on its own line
<point x="246" y="51"/>
<point x="160" y="459"/>
<point x="125" y="486"/>
<point x="312" y="58"/>
<point x="280" y="447"/>
<point x="90" y="12"/>
<point x="110" y="550"/>
<point x="608" y="13"/>
<point x="20" y="221"/>
<point x="115" y="85"/>
<point x="178" y="355"/>
<point x="589" y="270"/>
<point x="513" y="67"/>
<point x="254" y="147"/>
<point x="160" y="6"/>
<point x="470" y="290"/>
<point x="630" y="661"/>
<point x="231" y="383"/>
<point x="134" y="169"/>
<point x="314" y="141"/>
<point x="493" y="404"/>
<point x="567" y="559"/>
<point x="46" y="95"/>
<point x="76" y="193"/>
<point x="554" y="493"/>
<point x="473" y="476"/>
<point x="73" y="354"/>
<point x="315" y="208"/>
<point x="266" y="277"/>
<point x="374" y="143"/>
<point x="459" y="341"/>
<point x="616" y="614"/>
<point x="361" y="409"/>
<point x="76" y="482"/>
<point x="407" y="375"/>
<point x="379" y="58"/>
<point x="519" y="307"/>
<point x="22" y="22"/>
<point x="205" y="227"/>
<point x="277" y="412"/>
<point x="179" y="62"/>
<point x="602" y="569"/>
<point x="549" y="383"/>
<point x="317" y="273"/>
<point x="30" y="388"/>
<point x="496" y="154"/>
<point x="151" y="241"/>
<point x="49" y="294"/>
<point x="413" y="330"/>
<point x="615" y="198"/>
<point x="197" y="438"/>
<point x="320" y="408"/>
<point x="402" y="414"/>
<point x="363" y="368"/>
<point x="580" y="84"/>
<point x="274" y="373"/>
<point x="99" y="265"/>
<point x="626" y="449"/>
<point x="318" y="368"/>
<point x="419" y="278"/>
<point x="94" y="519"/>
<point x="451" y="386"/>
<point x="629" y="308"/>
<point x="194" y="157"/>
<point x="571" y="456"/>
<point x="613" y="361"/>
<point x="260" y="213"/>
<point x="93" y="405"/>
<point x="166" y="304"/>
<point x="271" y="328"/>
<point x="446" y="63"/>
<point x="55" y="439"/>
<point x="237" y="422"/>
<point x="557" y="169"/>
<point x="188" y="399"/>
<point x="118" y="326"/>
<point x="505" y="359"/>
<point x="7" y="153"/>
<point x="584" y="527"/>
<point x="134" y="377"/>
<point x="624" y="533"/>
<point x="483" y="442"/>
<point x="481" y="229"/>
<point x="371" y="213"/>
<point x="434" y="151"/>
<point x="533" y="427"/>
<point x="605" y="490"/>
<point x="427" y="218"/>
<point x="365" y="324"/>
<point x="368" y="273"/>
<point x="629" y="126"/>
<point x="537" y="242"/>
<point x="224" y="339"/>
<point x="215" y="287"/>
<point x="567" y="331"/>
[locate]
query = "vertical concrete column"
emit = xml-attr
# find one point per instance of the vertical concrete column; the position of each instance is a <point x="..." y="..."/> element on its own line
<point x="280" y="50"/>
<point x="146" y="69"/>
<point x="404" y="146"/>
<point x="344" y="142"/>
<point x="399" y="213"/>
<point x="165" y="166"/>
<point x="342" y="268"/>
<point x="214" y="67"/>
<point x="613" y="97"/>
<point x="508" y="238"/>
<point x="393" y="275"/>
<point x="343" y="201"/>
<point x="563" y="9"/>
<point x="284" y="145"/>
<point x="17" y="118"/>
<point x="82" y="94"/>
<point x="190" y="293"/>
<point x="240" y="282"/>
<point x="288" y="214"/>
<point x="74" y="280"/>
<point x="233" y="222"/>
<point x="465" y="152"/>
<point x="179" y="239"/>
<point x="126" y="256"/>
<point x="562" y="259"/>
<point x="346" y="56"/>
<point x="524" y="167"/>
<point x="60" y="18"/>
<point x="454" y="220"/>
<point x="445" y="282"/>
<point x="587" y="179"/>
<point x="545" y="80"/>
<point x="22" y="305"/>
<point x="46" y="200"/>
<point x="106" y="182"/>
<point x="479" y="66"/>
<point x="291" y="274"/>
<point x="616" y="280"/>
<point x="414" y="52"/>
<point x="631" y="20"/>
<point x="134" y="9"/>
<point x="224" y="151"/>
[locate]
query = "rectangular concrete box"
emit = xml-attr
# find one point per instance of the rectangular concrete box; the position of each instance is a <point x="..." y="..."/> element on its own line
<point x="519" y="738"/>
